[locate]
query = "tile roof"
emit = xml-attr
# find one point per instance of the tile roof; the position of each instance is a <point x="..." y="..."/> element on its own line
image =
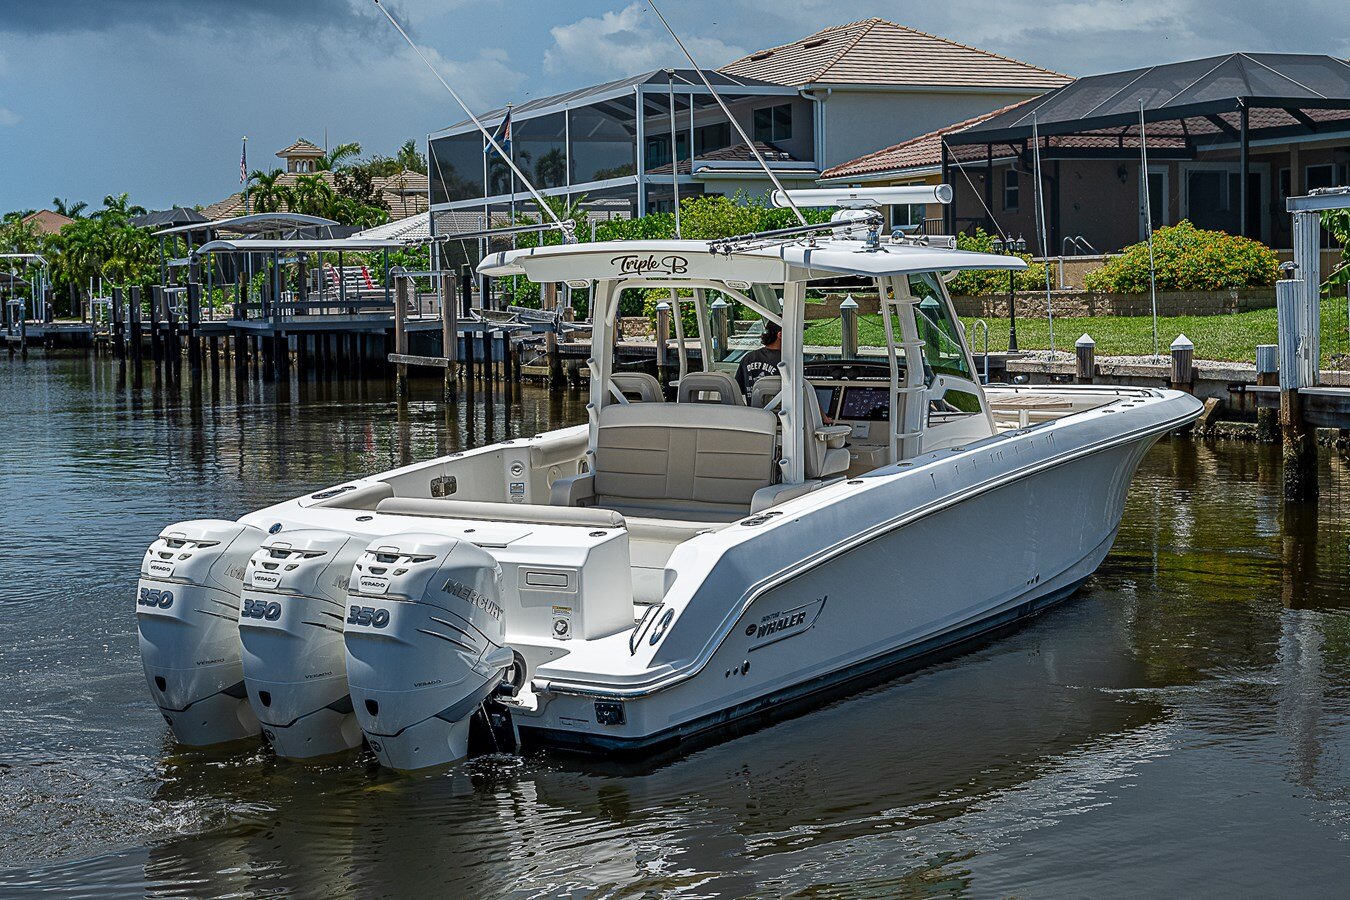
<point x="301" y="147"/>
<point x="924" y="150"/>
<point x="875" y="51"/>
<point x="46" y="221"/>
<point x="737" y="153"/>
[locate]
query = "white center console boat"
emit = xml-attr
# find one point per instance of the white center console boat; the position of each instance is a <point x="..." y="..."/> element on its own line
<point x="674" y="565"/>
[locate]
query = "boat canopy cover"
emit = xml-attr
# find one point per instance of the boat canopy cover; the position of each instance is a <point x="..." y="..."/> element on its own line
<point x="296" y="245"/>
<point x="255" y="223"/>
<point x="693" y="260"/>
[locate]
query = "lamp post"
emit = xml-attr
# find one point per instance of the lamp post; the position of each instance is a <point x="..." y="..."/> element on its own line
<point x="1012" y="248"/>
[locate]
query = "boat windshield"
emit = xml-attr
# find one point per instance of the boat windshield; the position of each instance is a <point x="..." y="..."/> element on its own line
<point x="942" y="348"/>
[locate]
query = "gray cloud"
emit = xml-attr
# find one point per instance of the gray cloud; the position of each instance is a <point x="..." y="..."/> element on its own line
<point x="167" y="16"/>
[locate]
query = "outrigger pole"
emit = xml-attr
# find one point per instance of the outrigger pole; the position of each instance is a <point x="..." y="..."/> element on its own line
<point x="568" y="230"/>
<point x="1148" y="224"/>
<point x="1040" y="217"/>
<point x="718" y="97"/>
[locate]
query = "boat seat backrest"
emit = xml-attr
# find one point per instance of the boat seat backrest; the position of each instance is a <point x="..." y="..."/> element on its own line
<point x="765" y="388"/>
<point x="826" y="453"/>
<point x="650" y="454"/>
<point x="696" y="386"/>
<point x="638" y="386"/>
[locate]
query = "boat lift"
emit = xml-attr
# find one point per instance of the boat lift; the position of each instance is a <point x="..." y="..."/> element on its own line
<point x="17" y="305"/>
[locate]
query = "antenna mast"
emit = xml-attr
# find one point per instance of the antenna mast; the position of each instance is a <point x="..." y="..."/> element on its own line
<point x="538" y="198"/>
<point x="718" y="97"/>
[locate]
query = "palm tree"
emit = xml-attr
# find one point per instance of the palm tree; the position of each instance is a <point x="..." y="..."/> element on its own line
<point x="551" y="170"/>
<point x="68" y="209"/>
<point x="119" y="207"/>
<point x="338" y="157"/>
<point x="311" y="195"/>
<point x="410" y="158"/>
<point x="266" y="194"/>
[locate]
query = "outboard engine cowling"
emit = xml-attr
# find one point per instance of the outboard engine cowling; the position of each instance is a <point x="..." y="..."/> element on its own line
<point x="187" y="613"/>
<point x="290" y="626"/>
<point x="425" y="635"/>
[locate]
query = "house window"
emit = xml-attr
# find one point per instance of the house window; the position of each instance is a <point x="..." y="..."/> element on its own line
<point x="907" y="217"/>
<point x="658" y="149"/>
<point x="712" y="137"/>
<point x="1323" y="176"/>
<point x="1284" y="183"/>
<point x="1011" y="191"/>
<point x="774" y="123"/>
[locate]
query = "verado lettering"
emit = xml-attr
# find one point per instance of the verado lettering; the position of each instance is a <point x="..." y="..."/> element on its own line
<point x="650" y="264"/>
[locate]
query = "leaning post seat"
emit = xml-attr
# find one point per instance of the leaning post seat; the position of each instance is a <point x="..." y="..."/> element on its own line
<point x="638" y="386"/>
<point x="683" y="461"/>
<point x="695" y="387"/>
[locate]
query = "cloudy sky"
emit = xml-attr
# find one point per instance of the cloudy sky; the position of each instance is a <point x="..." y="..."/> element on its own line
<point x="152" y="96"/>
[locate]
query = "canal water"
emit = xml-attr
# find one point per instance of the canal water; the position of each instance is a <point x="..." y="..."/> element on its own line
<point x="1183" y="723"/>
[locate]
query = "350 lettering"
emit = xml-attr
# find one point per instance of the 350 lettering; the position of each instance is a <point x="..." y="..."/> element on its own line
<point x="261" y="609"/>
<point x="367" y="615"/>
<point x="155" y="598"/>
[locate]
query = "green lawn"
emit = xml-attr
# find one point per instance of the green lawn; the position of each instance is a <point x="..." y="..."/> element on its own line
<point x="1229" y="337"/>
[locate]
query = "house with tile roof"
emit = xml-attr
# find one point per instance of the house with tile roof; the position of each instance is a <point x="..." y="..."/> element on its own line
<point x="46" y="221"/>
<point x="1229" y="139"/>
<point x="872" y="82"/>
<point x="807" y="106"/>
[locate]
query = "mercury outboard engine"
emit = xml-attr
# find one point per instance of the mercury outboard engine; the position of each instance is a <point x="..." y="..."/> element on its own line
<point x="187" y="612"/>
<point x="290" y="625"/>
<point x="425" y="634"/>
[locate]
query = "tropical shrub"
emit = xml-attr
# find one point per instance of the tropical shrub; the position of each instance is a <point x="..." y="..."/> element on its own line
<point x="1187" y="258"/>
<point x="701" y="218"/>
<point x="983" y="282"/>
<point x="1337" y="223"/>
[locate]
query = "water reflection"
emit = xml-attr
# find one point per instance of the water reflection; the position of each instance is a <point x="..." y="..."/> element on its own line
<point x="1181" y="721"/>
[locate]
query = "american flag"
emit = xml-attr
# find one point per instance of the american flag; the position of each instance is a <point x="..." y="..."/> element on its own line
<point x="243" y="164"/>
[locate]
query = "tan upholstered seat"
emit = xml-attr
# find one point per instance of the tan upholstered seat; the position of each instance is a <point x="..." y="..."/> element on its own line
<point x="697" y="461"/>
<point x="825" y="445"/>
<point x="638" y="386"/>
<point x="826" y="453"/>
<point x="696" y="386"/>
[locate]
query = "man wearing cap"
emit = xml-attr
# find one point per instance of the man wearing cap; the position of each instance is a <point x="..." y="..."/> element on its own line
<point x="762" y="360"/>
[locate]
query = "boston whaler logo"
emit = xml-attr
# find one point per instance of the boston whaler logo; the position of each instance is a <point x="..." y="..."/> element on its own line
<point x="784" y="623"/>
<point x="650" y="264"/>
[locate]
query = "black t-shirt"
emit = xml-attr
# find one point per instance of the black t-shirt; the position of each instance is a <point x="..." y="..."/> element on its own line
<point x="755" y="365"/>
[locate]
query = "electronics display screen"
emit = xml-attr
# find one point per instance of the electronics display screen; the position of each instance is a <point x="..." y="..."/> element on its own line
<point x="826" y="397"/>
<point x="866" y="404"/>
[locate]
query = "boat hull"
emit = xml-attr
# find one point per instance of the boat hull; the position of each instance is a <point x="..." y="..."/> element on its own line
<point x="874" y="603"/>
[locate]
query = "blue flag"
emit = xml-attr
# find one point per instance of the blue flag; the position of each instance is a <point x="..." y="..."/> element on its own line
<point x="502" y="135"/>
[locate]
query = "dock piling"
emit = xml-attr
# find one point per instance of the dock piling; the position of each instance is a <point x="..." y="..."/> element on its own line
<point x="1299" y="446"/>
<point x="118" y="324"/>
<point x="194" y="317"/>
<point x="134" y="311"/>
<point x="1183" y="364"/>
<point x="449" y="335"/>
<point x="1267" y="375"/>
<point x="401" y="334"/>
<point x="848" y="327"/>
<point x="1085" y="350"/>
